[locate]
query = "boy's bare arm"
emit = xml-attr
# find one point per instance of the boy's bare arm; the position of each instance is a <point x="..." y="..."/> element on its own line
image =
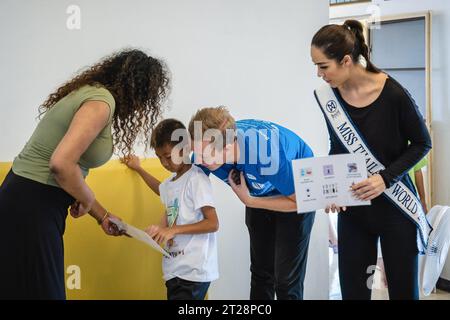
<point x="210" y="223"/>
<point x="134" y="163"/>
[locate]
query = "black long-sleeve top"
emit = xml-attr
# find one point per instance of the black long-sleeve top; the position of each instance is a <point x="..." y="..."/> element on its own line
<point x="393" y="128"/>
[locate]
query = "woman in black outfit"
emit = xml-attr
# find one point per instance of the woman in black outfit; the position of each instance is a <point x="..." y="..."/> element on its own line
<point x="388" y="119"/>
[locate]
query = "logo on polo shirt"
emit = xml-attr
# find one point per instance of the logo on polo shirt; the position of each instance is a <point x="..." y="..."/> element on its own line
<point x="257" y="186"/>
<point x="250" y="176"/>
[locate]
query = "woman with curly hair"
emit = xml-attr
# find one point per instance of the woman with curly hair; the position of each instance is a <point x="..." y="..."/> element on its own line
<point x="104" y="108"/>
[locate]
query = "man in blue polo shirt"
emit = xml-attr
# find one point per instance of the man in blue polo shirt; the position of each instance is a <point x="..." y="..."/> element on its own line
<point x="254" y="158"/>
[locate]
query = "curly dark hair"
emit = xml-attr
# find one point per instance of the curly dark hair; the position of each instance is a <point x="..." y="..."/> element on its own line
<point x="139" y="84"/>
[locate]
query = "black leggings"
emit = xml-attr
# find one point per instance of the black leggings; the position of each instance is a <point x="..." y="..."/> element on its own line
<point x="358" y="231"/>
<point x="31" y="241"/>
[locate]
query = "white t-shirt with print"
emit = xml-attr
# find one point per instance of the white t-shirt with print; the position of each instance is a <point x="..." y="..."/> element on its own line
<point x="194" y="256"/>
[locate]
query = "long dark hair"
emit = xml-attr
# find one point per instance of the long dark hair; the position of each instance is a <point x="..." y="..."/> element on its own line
<point x="139" y="84"/>
<point x="337" y="41"/>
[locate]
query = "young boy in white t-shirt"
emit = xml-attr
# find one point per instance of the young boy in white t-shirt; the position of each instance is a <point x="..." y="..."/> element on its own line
<point x="188" y="228"/>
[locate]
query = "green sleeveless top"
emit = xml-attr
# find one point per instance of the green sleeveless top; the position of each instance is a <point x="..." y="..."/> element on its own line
<point x="33" y="161"/>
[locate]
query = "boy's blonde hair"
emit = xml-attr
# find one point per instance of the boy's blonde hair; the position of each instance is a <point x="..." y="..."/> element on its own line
<point x="213" y="118"/>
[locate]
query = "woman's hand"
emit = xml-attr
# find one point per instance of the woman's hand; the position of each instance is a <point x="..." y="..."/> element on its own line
<point x="132" y="162"/>
<point x="78" y="209"/>
<point x="370" y="188"/>
<point x="239" y="186"/>
<point x="333" y="208"/>
<point x="111" y="228"/>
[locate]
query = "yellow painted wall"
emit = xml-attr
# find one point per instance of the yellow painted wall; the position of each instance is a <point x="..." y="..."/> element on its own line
<point x="115" y="268"/>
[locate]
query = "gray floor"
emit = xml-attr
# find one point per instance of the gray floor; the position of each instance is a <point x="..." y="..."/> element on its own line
<point x="380" y="293"/>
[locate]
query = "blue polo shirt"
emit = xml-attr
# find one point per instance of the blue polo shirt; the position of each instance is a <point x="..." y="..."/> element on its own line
<point x="266" y="152"/>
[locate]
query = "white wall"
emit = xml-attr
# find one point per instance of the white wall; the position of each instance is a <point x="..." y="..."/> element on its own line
<point x="440" y="77"/>
<point x="251" y="55"/>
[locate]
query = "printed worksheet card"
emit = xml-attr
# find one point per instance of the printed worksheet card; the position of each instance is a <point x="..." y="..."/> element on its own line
<point x="324" y="181"/>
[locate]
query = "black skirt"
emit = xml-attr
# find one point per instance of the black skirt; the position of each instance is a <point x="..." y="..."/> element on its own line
<point x="32" y="219"/>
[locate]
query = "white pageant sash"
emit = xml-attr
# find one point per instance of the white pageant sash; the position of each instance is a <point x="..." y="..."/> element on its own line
<point x="399" y="194"/>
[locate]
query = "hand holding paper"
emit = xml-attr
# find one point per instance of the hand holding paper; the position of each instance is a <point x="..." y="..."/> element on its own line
<point x="370" y="188"/>
<point x="139" y="235"/>
<point x="161" y="235"/>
